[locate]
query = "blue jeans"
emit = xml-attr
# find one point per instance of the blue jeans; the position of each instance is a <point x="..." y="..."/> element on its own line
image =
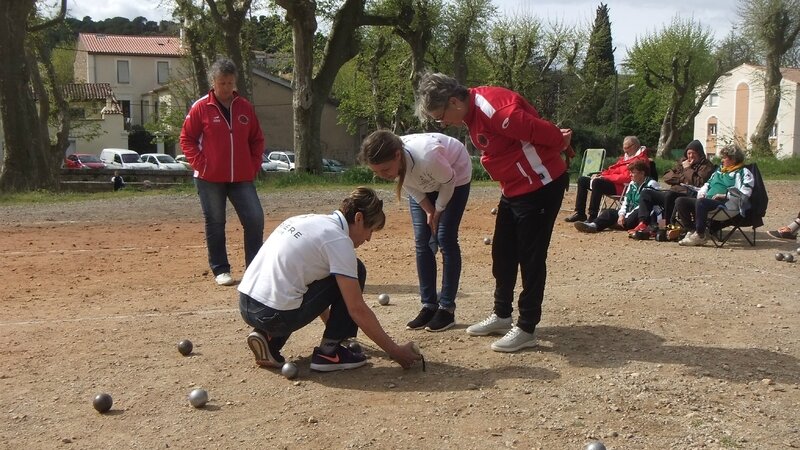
<point x="447" y="241"/>
<point x="321" y="294"/>
<point x="244" y="198"/>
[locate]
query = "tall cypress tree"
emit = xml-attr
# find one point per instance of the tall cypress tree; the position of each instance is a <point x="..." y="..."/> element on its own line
<point x="598" y="72"/>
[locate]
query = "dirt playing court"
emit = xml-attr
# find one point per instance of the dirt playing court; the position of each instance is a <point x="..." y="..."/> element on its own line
<point x="643" y="345"/>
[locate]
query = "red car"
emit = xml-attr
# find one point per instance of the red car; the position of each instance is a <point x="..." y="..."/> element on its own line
<point x="83" y="161"/>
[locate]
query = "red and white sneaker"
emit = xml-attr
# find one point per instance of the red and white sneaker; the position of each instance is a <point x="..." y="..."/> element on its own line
<point x="641" y="227"/>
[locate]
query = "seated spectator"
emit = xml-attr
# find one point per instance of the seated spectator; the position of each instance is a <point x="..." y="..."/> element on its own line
<point x="117" y="181"/>
<point x="626" y="217"/>
<point x="789" y="231"/>
<point x="608" y="182"/>
<point x="730" y="186"/>
<point x="693" y="169"/>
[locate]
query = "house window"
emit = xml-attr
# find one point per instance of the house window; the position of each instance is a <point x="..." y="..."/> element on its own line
<point x="713" y="100"/>
<point x="77" y="113"/>
<point x="712" y="129"/>
<point x="773" y="133"/>
<point x="123" y="72"/>
<point x="163" y="72"/>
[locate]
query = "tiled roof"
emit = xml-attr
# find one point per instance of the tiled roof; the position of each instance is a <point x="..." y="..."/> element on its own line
<point x="130" y="45"/>
<point x="791" y="74"/>
<point x="87" y="91"/>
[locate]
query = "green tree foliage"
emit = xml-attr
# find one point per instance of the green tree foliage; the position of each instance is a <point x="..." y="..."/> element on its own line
<point x="670" y="67"/>
<point x="598" y="74"/>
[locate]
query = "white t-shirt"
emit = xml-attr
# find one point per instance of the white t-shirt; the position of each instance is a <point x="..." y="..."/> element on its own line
<point x="301" y="250"/>
<point x="435" y="162"/>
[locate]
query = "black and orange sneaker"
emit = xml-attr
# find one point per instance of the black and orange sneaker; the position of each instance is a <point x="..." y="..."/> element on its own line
<point x="341" y="359"/>
<point x="267" y="350"/>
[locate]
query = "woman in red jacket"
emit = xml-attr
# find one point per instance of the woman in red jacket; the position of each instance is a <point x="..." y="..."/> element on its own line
<point x="222" y="140"/>
<point x="522" y="152"/>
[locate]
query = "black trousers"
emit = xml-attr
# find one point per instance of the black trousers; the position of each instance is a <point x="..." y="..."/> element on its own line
<point x="651" y="197"/>
<point x="321" y="294"/>
<point x="599" y="188"/>
<point x="609" y="217"/>
<point x="522" y="232"/>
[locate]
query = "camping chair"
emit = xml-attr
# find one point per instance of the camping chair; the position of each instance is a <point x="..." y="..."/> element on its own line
<point x="751" y="213"/>
<point x="592" y="161"/>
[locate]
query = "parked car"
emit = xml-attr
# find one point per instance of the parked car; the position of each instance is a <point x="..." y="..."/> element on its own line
<point x="332" y="165"/>
<point x="83" y="161"/>
<point x="182" y="159"/>
<point x="162" y="161"/>
<point x="121" y="158"/>
<point x="267" y="165"/>
<point x="284" y="161"/>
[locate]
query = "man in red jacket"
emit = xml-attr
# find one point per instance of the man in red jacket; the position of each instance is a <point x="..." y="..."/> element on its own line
<point x="608" y="182"/>
<point x="222" y="140"/>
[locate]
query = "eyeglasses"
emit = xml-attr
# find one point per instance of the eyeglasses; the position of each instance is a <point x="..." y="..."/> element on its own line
<point x="440" y="120"/>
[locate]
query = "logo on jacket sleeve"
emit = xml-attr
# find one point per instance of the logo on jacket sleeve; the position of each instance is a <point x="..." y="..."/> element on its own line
<point x="483" y="141"/>
<point x="244" y="120"/>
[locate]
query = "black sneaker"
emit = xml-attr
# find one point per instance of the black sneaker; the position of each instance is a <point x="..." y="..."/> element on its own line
<point x="425" y="315"/>
<point x="266" y="350"/>
<point x="341" y="359"/>
<point x="586" y="227"/>
<point x="442" y="320"/>
<point x="576" y="217"/>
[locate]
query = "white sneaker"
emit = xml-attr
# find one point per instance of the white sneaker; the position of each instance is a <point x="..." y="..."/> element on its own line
<point x="693" y="240"/>
<point x="514" y="340"/>
<point x="490" y="325"/>
<point x="224" y="279"/>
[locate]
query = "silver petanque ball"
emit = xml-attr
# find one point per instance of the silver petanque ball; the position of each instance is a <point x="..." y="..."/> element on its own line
<point x="198" y="398"/>
<point x="383" y="299"/>
<point x="788" y="257"/>
<point x="289" y="370"/>
<point x="779" y="256"/>
<point x="596" y="445"/>
<point x="494" y="211"/>
<point x="487" y="240"/>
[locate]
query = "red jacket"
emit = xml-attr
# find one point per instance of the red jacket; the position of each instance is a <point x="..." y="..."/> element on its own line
<point x="220" y="152"/>
<point x="618" y="173"/>
<point x="519" y="149"/>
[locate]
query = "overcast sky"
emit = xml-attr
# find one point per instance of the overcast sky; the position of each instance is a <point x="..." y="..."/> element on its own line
<point x="629" y="18"/>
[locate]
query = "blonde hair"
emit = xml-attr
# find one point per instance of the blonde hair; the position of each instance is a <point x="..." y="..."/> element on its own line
<point x="434" y="91"/>
<point x="365" y="201"/>
<point x="382" y="146"/>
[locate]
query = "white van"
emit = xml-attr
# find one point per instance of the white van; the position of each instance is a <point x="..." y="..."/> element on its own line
<point x="121" y="158"/>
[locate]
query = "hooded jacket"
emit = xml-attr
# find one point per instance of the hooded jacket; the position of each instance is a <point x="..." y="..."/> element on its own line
<point x="222" y="152"/>
<point x="696" y="174"/>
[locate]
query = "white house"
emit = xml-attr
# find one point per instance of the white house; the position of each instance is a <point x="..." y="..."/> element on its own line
<point x="734" y="108"/>
<point x="134" y="66"/>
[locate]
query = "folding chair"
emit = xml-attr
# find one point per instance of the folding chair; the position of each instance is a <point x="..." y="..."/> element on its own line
<point x="592" y="161"/>
<point x="751" y="215"/>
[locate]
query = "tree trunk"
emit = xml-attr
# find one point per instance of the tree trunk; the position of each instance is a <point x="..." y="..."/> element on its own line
<point x="24" y="165"/>
<point x="231" y="26"/>
<point x="772" y="101"/>
<point x="311" y="92"/>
